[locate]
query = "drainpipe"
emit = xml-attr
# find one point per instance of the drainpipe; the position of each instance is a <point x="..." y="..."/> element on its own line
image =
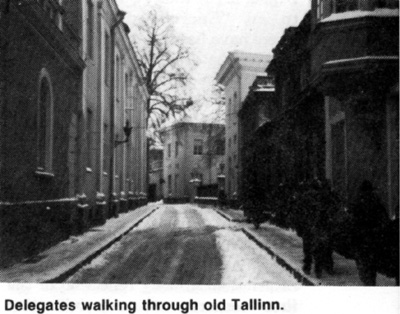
<point x="120" y="15"/>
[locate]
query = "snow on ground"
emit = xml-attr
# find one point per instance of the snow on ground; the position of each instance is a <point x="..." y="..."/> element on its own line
<point x="211" y="218"/>
<point x="245" y="263"/>
<point x="155" y="220"/>
<point x="183" y="222"/>
<point x="286" y="232"/>
<point x="97" y="263"/>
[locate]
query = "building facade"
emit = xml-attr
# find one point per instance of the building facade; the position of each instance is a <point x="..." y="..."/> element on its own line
<point x="337" y="107"/>
<point x="258" y="108"/>
<point x="40" y="99"/>
<point x="113" y="97"/>
<point x="354" y="63"/>
<point x="70" y="93"/>
<point x="192" y="151"/>
<point x="237" y="74"/>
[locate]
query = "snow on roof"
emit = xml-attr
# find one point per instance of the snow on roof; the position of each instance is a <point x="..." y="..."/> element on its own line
<point x="200" y="112"/>
<point x="358" y="13"/>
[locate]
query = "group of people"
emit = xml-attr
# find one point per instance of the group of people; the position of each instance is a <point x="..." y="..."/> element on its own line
<point x="361" y="230"/>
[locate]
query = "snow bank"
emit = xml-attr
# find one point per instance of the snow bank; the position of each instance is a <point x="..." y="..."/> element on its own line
<point x="245" y="263"/>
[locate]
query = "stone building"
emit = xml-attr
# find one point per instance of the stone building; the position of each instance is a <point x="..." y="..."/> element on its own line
<point x="192" y="151"/>
<point x="70" y="89"/>
<point x="237" y="73"/>
<point x="283" y="125"/>
<point x="354" y="53"/>
<point x="258" y="108"/>
<point x="337" y="107"/>
<point x="113" y="169"/>
<point x="40" y="99"/>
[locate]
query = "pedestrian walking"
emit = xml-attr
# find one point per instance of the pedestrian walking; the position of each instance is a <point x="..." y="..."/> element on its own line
<point x="370" y="220"/>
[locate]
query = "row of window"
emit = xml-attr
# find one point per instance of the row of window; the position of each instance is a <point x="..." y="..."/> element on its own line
<point x="198" y="147"/>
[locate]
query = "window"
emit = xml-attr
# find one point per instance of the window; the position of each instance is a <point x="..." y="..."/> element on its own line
<point x="169" y="150"/>
<point x="107" y="58"/>
<point x="320" y="9"/>
<point x="176" y="148"/>
<point x="90" y="25"/>
<point x="127" y="87"/>
<point x="176" y="183"/>
<point x="117" y="78"/>
<point x="220" y="147"/>
<point x="235" y="139"/>
<point x="106" y="141"/>
<point x="391" y="4"/>
<point x="198" y="147"/>
<point x="346" y="5"/>
<point x="89" y="137"/>
<point x="326" y="7"/>
<point x="169" y="184"/>
<point x="45" y="123"/>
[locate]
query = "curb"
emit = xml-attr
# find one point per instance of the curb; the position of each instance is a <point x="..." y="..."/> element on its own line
<point x="66" y="274"/>
<point x="300" y="277"/>
<point x="227" y="217"/>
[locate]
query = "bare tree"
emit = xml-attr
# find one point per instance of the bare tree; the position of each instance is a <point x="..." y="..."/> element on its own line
<point x="166" y="63"/>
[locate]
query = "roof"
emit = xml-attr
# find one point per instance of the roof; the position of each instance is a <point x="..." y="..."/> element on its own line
<point x="244" y="59"/>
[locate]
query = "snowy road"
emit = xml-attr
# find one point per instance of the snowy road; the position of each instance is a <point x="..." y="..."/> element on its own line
<point x="185" y="244"/>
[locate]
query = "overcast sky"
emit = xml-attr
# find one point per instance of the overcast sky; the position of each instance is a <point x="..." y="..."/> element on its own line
<point x="214" y="27"/>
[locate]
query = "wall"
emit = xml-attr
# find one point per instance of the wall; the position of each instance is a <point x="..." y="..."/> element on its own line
<point x="38" y="208"/>
<point x="186" y="163"/>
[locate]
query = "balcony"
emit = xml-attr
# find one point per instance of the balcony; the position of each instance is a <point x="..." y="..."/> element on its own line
<point x="363" y="43"/>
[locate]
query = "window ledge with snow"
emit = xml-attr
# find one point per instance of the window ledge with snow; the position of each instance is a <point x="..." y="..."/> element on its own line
<point x="366" y="58"/>
<point x="359" y="14"/>
<point x="44" y="174"/>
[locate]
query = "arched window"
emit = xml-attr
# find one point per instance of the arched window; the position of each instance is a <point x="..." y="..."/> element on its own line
<point x="45" y="123"/>
<point x="118" y="78"/>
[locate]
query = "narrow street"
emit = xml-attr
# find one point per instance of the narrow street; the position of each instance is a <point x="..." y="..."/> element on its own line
<point x="184" y="244"/>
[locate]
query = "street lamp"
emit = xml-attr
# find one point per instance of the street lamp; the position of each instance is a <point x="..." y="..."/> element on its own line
<point x="127" y="131"/>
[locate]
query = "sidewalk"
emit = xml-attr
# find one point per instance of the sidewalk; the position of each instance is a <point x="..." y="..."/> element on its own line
<point x="287" y="247"/>
<point x="58" y="262"/>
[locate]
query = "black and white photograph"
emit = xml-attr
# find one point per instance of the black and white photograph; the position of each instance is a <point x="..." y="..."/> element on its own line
<point x="206" y="144"/>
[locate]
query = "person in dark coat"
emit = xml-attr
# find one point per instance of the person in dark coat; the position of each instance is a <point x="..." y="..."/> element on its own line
<point x="329" y="205"/>
<point x="370" y="220"/>
<point x="221" y="198"/>
<point x="303" y="219"/>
